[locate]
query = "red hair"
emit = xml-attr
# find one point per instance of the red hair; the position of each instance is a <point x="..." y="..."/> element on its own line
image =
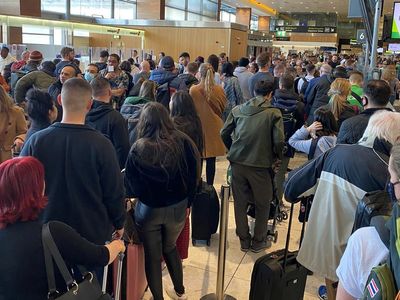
<point x="21" y="190"/>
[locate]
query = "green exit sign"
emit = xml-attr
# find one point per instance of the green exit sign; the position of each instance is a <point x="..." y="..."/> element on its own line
<point x="281" y="33"/>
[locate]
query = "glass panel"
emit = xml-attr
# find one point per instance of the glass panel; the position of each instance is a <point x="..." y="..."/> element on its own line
<point x="233" y="18"/>
<point x="91" y="8"/>
<point x="194" y="6"/>
<point x="58" y="36"/>
<point x="35" y="29"/>
<point x="177" y="3"/>
<point x="174" y="14"/>
<point x="54" y="5"/>
<point x="194" y="17"/>
<point x="35" y="39"/>
<point x="225" y="16"/>
<point x="125" y="9"/>
<point x="210" y="9"/>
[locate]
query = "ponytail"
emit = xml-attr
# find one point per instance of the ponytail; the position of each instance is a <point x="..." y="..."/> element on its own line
<point x="338" y="103"/>
<point x="339" y="91"/>
<point x="209" y="83"/>
<point x="207" y="79"/>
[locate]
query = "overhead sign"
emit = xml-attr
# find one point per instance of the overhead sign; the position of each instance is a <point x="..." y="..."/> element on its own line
<point x="361" y="36"/>
<point x="307" y="29"/>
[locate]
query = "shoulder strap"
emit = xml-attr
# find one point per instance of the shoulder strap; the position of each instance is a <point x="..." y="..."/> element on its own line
<point x="357" y="97"/>
<point x="51" y="252"/>
<point x="314" y="143"/>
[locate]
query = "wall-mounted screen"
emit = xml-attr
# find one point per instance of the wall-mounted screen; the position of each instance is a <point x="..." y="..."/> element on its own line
<point x="394" y="47"/>
<point x="396" y="21"/>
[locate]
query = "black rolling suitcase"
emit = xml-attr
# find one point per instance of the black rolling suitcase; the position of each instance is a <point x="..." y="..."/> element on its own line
<point x="278" y="275"/>
<point x="205" y="214"/>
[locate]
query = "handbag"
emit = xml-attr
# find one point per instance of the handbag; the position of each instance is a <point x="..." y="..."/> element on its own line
<point x="87" y="289"/>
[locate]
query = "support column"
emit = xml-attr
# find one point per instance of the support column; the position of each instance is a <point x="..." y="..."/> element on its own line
<point x="21" y="8"/>
<point x="243" y="16"/>
<point x="374" y="47"/>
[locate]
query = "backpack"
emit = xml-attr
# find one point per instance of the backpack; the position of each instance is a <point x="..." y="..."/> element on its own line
<point x="380" y="284"/>
<point x="376" y="203"/>
<point x="131" y="113"/>
<point x="164" y="93"/>
<point x="288" y="109"/>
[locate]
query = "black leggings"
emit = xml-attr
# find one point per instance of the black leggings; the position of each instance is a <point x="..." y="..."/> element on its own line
<point x="210" y="169"/>
<point x="159" y="229"/>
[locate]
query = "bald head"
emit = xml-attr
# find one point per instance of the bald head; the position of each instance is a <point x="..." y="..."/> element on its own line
<point x="145" y="66"/>
<point x="76" y="96"/>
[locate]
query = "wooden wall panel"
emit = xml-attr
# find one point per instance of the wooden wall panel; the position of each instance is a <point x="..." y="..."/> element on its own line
<point x="238" y="46"/>
<point x="15" y="34"/>
<point x="174" y="40"/>
<point x="263" y="23"/>
<point x="107" y="41"/>
<point x="197" y="41"/>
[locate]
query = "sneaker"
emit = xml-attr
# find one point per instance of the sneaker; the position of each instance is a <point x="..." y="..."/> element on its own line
<point x="174" y="295"/>
<point x="323" y="292"/>
<point x="245" y="245"/>
<point x="260" y="246"/>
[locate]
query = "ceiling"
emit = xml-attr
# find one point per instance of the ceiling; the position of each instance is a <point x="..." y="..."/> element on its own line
<point x="291" y="6"/>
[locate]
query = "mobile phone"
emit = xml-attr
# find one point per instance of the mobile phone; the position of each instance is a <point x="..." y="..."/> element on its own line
<point x="110" y="68"/>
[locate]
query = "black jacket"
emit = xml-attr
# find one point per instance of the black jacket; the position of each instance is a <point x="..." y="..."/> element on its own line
<point x="162" y="184"/>
<point x="318" y="96"/>
<point x="109" y="122"/>
<point x="189" y="79"/>
<point x="83" y="181"/>
<point x="352" y="129"/>
<point x="54" y="91"/>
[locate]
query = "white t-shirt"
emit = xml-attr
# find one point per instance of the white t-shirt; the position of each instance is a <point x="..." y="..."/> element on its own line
<point x="364" y="251"/>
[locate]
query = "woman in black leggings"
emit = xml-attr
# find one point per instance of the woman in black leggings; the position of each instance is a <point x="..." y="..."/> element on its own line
<point x="162" y="170"/>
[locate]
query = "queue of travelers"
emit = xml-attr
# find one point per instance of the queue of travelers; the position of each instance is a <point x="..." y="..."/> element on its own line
<point x="88" y="139"/>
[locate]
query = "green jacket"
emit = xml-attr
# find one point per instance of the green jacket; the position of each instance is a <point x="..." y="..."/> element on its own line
<point x="137" y="100"/>
<point x="253" y="133"/>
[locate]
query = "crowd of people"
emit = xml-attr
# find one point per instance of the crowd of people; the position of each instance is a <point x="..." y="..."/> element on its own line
<point x="88" y="139"/>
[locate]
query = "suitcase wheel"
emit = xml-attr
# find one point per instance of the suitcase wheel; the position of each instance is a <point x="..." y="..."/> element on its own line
<point x="208" y="243"/>
<point x="284" y="215"/>
<point x="279" y="218"/>
<point x="276" y="237"/>
<point x="194" y="243"/>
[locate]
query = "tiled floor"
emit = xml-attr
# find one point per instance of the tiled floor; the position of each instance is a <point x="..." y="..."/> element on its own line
<point x="200" y="269"/>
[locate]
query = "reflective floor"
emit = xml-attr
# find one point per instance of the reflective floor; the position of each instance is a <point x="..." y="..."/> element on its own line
<point x="200" y="269"/>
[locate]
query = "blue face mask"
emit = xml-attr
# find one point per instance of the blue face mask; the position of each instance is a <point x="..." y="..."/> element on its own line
<point x="89" y="76"/>
<point x="391" y="191"/>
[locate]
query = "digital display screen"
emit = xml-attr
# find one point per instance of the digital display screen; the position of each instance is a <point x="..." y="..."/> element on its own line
<point x="396" y="21"/>
<point x="394" y="47"/>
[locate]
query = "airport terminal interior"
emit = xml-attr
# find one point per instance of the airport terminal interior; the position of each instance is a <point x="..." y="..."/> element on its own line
<point x="179" y="142"/>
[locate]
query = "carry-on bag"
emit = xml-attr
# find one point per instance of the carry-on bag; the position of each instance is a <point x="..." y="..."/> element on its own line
<point x="87" y="288"/>
<point x="278" y="275"/>
<point x="182" y="243"/>
<point x="133" y="276"/>
<point x="205" y="214"/>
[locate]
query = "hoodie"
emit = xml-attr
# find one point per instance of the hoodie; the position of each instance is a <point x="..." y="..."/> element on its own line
<point x="301" y="142"/>
<point x="253" y="134"/>
<point x="243" y="75"/>
<point x="189" y="79"/>
<point x="110" y="123"/>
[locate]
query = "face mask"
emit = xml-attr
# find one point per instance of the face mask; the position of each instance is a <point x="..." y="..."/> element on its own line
<point x="391" y="191"/>
<point x="89" y="76"/>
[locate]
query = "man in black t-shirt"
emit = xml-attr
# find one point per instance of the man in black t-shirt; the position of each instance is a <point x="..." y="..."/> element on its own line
<point x="84" y="185"/>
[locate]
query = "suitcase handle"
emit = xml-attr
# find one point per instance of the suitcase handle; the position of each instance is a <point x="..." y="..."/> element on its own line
<point x="119" y="276"/>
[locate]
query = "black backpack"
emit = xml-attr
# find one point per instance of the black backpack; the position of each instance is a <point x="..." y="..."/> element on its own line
<point x="164" y="93"/>
<point x="288" y="109"/>
<point x="376" y="203"/>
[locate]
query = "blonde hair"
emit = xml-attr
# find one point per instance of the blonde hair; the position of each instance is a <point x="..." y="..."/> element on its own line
<point x="384" y="125"/>
<point x="5" y="101"/>
<point x="339" y="91"/>
<point x="207" y="78"/>
<point x="389" y="73"/>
